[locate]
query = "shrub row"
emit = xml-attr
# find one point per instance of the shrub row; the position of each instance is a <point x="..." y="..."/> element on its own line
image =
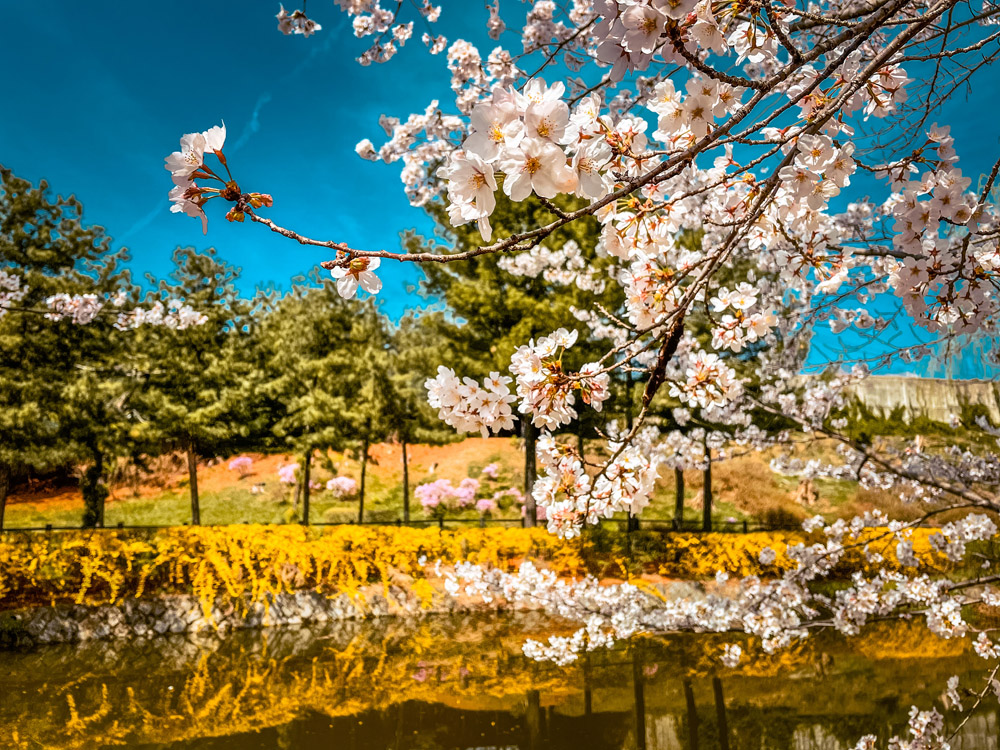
<point x="249" y="563"/>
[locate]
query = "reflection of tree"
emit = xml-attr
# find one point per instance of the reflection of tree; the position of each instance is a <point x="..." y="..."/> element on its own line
<point x="692" y="715"/>
<point x="429" y="674"/>
<point x="720" y="714"/>
<point x="533" y="719"/>
<point x="639" y="697"/>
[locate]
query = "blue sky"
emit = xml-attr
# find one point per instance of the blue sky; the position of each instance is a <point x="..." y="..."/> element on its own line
<point x="106" y="89"/>
<point x="103" y="91"/>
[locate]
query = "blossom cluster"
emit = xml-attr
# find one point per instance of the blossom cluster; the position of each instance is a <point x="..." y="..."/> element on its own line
<point x="85" y="308"/>
<point x="187" y="164"/>
<point x="951" y="257"/>
<point x="296" y="22"/>
<point x="739" y="325"/>
<point x="524" y="134"/>
<point x="572" y="498"/>
<point x="545" y="390"/>
<point x="709" y="382"/>
<point x="564" y="266"/>
<point x="12" y="291"/>
<point x="470" y="407"/>
<point x="369" y="18"/>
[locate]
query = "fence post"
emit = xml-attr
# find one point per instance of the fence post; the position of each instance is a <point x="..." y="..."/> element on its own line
<point x="441" y="524"/>
<point x="745" y="529"/>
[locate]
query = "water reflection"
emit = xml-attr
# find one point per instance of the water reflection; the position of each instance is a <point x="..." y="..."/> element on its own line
<point x="461" y="683"/>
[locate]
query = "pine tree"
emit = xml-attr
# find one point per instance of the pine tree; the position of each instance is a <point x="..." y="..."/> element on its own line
<point x="318" y="359"/>
<point x="62" y="385"/>
<point x="417" y="350"/>
<point x="193" y="400"/>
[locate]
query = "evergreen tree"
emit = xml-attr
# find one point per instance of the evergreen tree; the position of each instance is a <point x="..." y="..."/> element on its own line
<point x="193" y="399"/>
<point x="321" y="353"/>
<point x="417" y="350"/>
<point x="58" y="407"/>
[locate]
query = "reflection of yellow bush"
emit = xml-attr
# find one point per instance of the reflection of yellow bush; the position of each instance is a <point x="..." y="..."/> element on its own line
<point x="249" y="563"/>
<point x="249" y="685"/>
<point x="907" y="640"/>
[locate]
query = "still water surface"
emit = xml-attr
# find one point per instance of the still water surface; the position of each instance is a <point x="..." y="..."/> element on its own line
<point x="462" y="683"/>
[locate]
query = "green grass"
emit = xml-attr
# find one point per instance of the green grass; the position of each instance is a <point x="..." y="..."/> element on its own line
<point x="234" y="505"/>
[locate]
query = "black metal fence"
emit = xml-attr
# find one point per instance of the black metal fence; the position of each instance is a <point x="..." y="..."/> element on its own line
<point x="628" y="525"/>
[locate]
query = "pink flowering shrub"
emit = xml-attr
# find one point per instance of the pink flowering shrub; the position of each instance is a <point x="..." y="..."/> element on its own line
<point x="242" y="464"/>
<point x="440" y="496"/>
<point x="433" y="495"/>
<point x="286" y="473"/>
<point x="342" y="487"/>
<point x="491" y="471"/>
<point x="465" y="494"/>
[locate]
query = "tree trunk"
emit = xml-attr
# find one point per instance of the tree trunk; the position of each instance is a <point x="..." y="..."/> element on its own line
<point x="679" y="499"/>
<point x="530" y="472"/>
<point x="193" y="483"/>
<point x="306" y="459"/>
<point x="94" y="492"/>
<point x="406" y="487"/>
<point x="364" y="468"/>
<point x="706" y="509"/>
<point x="296" y="494"/>
<point x="4" y="489"/>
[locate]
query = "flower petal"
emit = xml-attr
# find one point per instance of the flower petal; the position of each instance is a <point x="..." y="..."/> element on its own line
<point x="370" y="282"/>
<point x="347" y="286"/>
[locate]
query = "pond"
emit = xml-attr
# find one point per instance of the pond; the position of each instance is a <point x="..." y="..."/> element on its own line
<point x="461" y="682"/>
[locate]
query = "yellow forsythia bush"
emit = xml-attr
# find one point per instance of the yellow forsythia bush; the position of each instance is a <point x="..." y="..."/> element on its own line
<point x="701" y="555"/>
<point x="246" y="563"/>
<point x="249" y="563"/>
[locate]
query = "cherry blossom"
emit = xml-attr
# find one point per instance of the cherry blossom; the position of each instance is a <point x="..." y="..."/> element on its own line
<point x="538" y="166"/>
<point x="469" y="407"/>
<point x="717" y="150"/>
<point x="296" y="22"/>
<point x="357" y="272"/>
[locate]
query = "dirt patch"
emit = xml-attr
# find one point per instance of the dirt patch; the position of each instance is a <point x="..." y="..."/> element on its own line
<point x="451" y="461"/>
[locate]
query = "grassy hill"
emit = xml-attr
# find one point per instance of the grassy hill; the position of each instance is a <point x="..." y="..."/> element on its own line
<point x="744" y="488"/>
